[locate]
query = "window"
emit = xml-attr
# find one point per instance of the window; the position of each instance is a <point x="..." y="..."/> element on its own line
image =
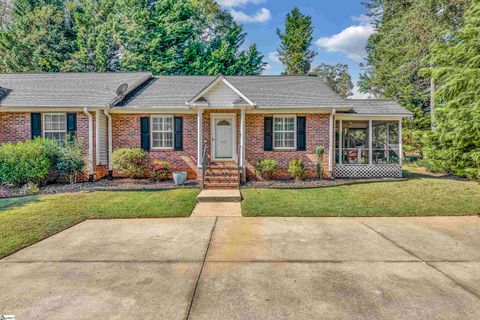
<point x="55" y="126"/>
<point x="162" y="132"/>
<point x="284" y="132"/>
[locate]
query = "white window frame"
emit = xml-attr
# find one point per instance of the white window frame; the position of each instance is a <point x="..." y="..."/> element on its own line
<point x="44" y="131"/>
<point x="294" y="131"/>
<point x="151" y="132"/>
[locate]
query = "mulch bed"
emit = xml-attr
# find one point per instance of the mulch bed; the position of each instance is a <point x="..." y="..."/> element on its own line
<point x="100" y="185"/>
<point x="309" y="183"/>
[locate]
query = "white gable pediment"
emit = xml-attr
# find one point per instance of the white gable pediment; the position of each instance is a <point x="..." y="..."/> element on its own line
<point x="220" y="94"/>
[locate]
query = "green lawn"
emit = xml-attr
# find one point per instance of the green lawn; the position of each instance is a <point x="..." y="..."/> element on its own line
<point x="415" y="197"/>
<point x="24" y="221"/>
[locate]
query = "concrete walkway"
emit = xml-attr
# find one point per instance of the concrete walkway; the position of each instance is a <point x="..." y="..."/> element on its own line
<point x="218" y="203"/>
<point x="249" y="268"/>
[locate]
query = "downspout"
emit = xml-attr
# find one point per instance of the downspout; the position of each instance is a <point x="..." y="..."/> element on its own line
<point x="110" y="142"/>
<point x="90" y="144"/>
<point x="330" y="144"/>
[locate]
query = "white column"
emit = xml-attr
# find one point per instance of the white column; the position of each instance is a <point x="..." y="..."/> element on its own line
<point x="242" y="138"/>
<point x="340" y="142"/>
<point x="330" y="144"/>
<point x="90" y="143"/>
<point x="199" y="138"/>
<point x="110" y="139"/>
<point x="400" y="142"/>
<point x="370" y="144"/>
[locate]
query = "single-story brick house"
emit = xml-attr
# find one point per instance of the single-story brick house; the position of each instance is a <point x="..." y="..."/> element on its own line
<point x="202" y="123"/>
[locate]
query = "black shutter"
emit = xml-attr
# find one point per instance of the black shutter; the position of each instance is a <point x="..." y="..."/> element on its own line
<point x="268" y="134"/>
<point x="301" y="133"/>
<point x="145" y="133"/>
<point x="178" y="133"/>
<point x="36" y="125"/>
<point x="71" y="125"/>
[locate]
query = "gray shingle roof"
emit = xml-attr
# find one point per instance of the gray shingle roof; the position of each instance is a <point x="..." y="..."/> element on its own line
<point x="63" y="89"/>
<point x="98" y="90"/>
<point x="264" y="91"/>
<point x="376" y="106"/>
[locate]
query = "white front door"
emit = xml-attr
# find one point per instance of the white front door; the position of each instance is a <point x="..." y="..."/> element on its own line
<point x="223" y="138"/>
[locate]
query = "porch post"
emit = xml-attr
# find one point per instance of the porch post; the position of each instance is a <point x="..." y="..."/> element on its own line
<point x="199" y="138"/>
<point x="370" y="144"/>
<point x="330" y="144"/>
<point x="242" y="138"/>
<point x="340" y="141"/>
<point x="400" y="142"/>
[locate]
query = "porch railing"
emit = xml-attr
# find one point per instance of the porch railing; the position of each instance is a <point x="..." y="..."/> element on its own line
<point x="204" y="163"/>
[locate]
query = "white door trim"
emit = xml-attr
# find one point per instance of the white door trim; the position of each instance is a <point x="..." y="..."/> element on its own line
<point x="228" y="116"/>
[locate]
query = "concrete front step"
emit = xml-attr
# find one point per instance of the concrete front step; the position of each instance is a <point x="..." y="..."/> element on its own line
<point x="216" y="195"/>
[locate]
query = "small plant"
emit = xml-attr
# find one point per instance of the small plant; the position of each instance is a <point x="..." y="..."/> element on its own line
<point x="30" y="189"/>
<point x="319" y="152"/>
<point x="267" y="168"/>
<point x="130" y="161"/>
<point x="159" y="169"/>
<point x="297" y="170"/>
<point x="71" y="161"/>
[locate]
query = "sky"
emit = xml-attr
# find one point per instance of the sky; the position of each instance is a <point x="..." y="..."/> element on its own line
<point x="341" y="29"/>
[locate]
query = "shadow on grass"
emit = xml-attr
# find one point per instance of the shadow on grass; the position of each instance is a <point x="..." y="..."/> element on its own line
<point x="10" y="203"/>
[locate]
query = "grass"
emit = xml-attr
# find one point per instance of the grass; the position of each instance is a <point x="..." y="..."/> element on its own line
<point x="421" y="196"/>
<point x="24" y="221"/>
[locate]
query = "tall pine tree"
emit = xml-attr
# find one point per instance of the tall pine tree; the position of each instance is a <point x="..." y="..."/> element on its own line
<point x="38" y="38"/>
<point x="454" y="147"/>
<point x="295" y="51"/>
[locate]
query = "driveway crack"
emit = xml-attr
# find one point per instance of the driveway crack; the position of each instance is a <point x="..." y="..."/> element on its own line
<point x="201" y="269"/>
<point x="428" y="263"/>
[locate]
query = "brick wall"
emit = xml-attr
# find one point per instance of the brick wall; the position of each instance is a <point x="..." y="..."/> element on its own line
<point x="317" y="134"/>
<point x="15" y="127"/>
<point x="126" y="134"/>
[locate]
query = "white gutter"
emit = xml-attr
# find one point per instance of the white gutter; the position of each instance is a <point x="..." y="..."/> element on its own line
<point x="90" y="143"/>
<point x="110" y="140"/>
<point x="330" y="144"/>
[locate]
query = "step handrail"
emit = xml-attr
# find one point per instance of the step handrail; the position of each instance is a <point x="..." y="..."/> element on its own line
<point x="204" y="163"/>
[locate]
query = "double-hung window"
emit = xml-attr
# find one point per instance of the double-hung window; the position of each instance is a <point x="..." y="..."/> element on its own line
<point x="162" y="132"/>
<point x="55" y="126"/>
<point x="284" y="131"/>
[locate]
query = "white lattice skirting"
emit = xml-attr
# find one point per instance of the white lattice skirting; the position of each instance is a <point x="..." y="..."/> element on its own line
<point x="368" y="171"/>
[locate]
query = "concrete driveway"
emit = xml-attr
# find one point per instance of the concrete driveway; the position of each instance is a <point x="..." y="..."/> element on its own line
<point x="249" y="268"/>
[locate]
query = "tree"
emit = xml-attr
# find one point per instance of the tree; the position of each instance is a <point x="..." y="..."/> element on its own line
<point x="96" y="48"/>
<point x="454" y="147"/>
<point x="188" y="37"/>
<point x="39" y="37"/>
<point x="398" y="49"/>
<point x="171" y="37"/>
<point x="294" y="51"/>
<point x="336" y="77"/>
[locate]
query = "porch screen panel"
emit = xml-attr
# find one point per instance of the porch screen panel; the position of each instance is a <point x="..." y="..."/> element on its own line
<point x="385" y="142"/>
<point x="354" y="142"/>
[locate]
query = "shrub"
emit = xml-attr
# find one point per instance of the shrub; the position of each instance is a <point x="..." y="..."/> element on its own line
<point x="30" y="189"/>
<point x="70" y="161"/>
<point x="130" y="161"/>
<point x="267" y="168"/>
<point x="29" y="161"/>
<point x="297" y="169"/>
<point x="319" y="152"/>
<point x="159" y="169"/>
